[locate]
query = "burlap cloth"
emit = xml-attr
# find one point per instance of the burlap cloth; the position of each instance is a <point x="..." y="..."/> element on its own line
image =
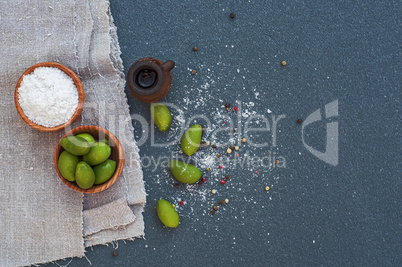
<point x="41" y="219"/>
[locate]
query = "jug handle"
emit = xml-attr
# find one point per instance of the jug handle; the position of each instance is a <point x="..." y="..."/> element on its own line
<point x="167" y="66"/>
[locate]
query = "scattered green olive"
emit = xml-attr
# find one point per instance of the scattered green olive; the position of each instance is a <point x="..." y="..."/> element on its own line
<point x="67" y="163"/>
<point x="98" y="153"/>
<point x="84" y="175"/>
<point x="161" y="116"/>
<point x="104" y="171"/>
<point x="75" y="145"/>
<point x="184" y="172"/>
<point x="167" y="213"/>
<point x="190" y="142"/>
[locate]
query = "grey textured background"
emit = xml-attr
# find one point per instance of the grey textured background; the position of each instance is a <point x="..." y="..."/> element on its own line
<point x="314" y="214"/>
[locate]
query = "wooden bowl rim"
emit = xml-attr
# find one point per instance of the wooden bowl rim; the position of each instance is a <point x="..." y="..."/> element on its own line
<point x="120" y="159"/>
<point x="78" y="85"/>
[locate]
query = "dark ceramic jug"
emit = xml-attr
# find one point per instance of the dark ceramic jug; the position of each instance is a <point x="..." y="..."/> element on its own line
<point x="149" y="79"/>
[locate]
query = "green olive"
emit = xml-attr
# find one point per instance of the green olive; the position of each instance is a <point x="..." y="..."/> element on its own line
<point x="98" y="153"/>
<point x="84" y="175"/>
<point x="75" y="145"/>
<point x="191" y="140"/>
<point x="104" y="171"/>
<point x="67" y="164"/>
<point x="167" y="214"/>
<point x="184" y="172"/>
<point x="161" y="116"/>
<point x="104" y="140"/>
<point x="88" y="137"/>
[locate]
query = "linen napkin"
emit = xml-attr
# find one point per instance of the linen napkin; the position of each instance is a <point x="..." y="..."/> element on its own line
<point x="41" y="219"/>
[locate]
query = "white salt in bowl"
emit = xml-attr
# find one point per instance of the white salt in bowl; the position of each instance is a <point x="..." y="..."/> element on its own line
<point x="78" y="85"/>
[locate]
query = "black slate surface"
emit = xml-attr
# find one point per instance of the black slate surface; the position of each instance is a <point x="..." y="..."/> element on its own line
<point x="314" y="213"/>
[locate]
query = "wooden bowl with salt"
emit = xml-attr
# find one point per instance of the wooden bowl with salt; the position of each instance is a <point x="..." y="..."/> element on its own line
<point x="77" y="83"/>
<point x="116" y="155"/>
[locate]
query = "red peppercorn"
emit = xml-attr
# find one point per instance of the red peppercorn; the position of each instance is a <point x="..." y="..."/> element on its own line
<point x="176" y="185"/>
<point x="204" y="179"/>
<point x="236" y="108"/>
<point x="181" y="202"/>
<point x="222" y="181"/>
<point x="220" y="167"/>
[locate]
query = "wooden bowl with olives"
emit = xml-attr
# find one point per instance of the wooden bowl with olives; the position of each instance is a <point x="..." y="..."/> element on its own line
<point x="89" y="159"/>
